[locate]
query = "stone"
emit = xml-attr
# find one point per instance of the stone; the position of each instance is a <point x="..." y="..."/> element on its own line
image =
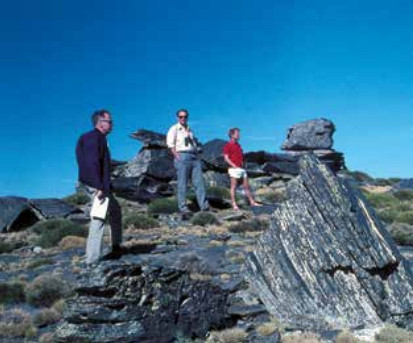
<point x="212" y="155"/>
<point x="310" y="135"/>
<point x="141" y="189"/>
<point x="216" y="179"/>
<point x="327" y="260"/>
<point x="53" y="208"/>
<point x="156" y="163"/>
<point x="281" y="167"/>
<point x="261" y="157"/>
<point x="16" y="214"/>
<point x="150" y="139"/>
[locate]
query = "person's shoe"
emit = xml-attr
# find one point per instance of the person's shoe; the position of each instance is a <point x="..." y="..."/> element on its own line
<point x="115" y="254"/>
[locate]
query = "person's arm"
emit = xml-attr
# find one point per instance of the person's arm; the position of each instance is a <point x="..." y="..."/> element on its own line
<point x="171" y="141"/>
<point x="92" y="164"/>
<point x="228" y="160"/>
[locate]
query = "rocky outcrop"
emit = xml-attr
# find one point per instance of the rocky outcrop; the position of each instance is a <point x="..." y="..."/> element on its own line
<point x="327" y="261"/>
<point x="53" y="208"/>
<point x="316" y="136"/>
<point x="16" y="214"/>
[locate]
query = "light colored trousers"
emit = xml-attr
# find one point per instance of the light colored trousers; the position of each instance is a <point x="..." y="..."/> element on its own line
<point x="189" y="167"/>
<point x="97" y="226"/>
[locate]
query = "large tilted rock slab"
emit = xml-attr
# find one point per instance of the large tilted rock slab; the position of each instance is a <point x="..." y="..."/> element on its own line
<point x="327" y="261"/>
<point x="16" y="214"/>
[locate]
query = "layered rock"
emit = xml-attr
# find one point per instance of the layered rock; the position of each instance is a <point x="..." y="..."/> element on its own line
<point x="314" y="135"/>
<point x="327" y="261"/>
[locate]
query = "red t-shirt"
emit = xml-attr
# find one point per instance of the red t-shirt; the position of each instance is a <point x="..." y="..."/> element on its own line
<point x="234" y="152"/>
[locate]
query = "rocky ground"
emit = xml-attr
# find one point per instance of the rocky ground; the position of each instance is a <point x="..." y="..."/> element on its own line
<point x="176" y="281"/>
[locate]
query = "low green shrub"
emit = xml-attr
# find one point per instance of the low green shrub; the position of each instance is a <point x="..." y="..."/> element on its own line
<point x="404" y="195"/>
<point x="382" y="200"/>
<point x="402" y="233"/>
<point x="52" y="231"/>
<point x="255" y="224"/>
<point x="12" y="292"/>
<point x="140" y="222"/>
<point x="204" y="219"/>
<point x="405" y="217"/>
<point x="46" y="317"/>
<point x="16" y="323"/>
<point x="163" y="206"/>
<point x="46" y="289"/>
<point x="6" y="248"/>
<point x="76" y="199"/>
<point x="40" y="262"/>
<point x="388" y="216"/>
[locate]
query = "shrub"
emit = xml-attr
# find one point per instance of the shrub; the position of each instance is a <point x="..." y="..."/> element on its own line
<point x="12" y="292"/>
<point x="204" y="219"/>
<point x="360" y="176"/>
<point x="306" y="337"/>
<point x="78" y="198"/>
<point x="381" y="200"/>
<point x="347" y="337"/>
<point x="404" y="195"/>
<point x="255" y="224"/>
<point x="52" y="231"/>
<point x="163" y="206"/>
<point x="140" y="222"/>
<point x="388" y="216"/>
<point x="70" y="242"/>
<point x="393" y="334"/>
<point x="218" y="192"/>
<point x="16" y="323"/>
<point x="47" y="337"/>
<point x="46" y="317"/>
<point x="234" y="335"/>
<point x="39" y="262"/>
<point x="401" y="233"/>
<point x="5" y="247"/>
<point x="44" y="290"/>
<point x="405" y="217"/>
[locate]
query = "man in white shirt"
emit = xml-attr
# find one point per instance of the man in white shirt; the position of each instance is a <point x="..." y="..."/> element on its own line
<point x="180" y="139"/>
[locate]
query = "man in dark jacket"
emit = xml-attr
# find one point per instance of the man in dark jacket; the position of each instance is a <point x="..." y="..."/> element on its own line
<point x="93" y="158"/>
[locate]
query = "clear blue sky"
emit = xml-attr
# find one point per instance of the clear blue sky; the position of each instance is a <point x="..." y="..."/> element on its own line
<point x="259" y="65"/>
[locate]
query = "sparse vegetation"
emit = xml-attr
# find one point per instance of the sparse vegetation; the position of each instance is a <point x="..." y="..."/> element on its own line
<point x="16" y="323"/>
<point x="12" y="292"/>
<point x="46" y="317"/>
<point x="234" y="335"/>
<point x="76" y="199"/>
<point x="393" y="334"/>
<point x="204" y="219"/>
<point x="404" y="195"/>
<point x="70" y="242"/>
<point x="255" y="224"/>
<point x="39" y="262"/>
<point x="267" y="329"/>
<point x="140" y="222"/>
<point x="163" y="206"/>
<point x="44" y="290"/>
<point x="52" y="231"/>
<point x="306" y="337"/>
<point x="402" y="233"/>
<point x="382" y="200"/>
<point x="6" y="248"/>
<point x="347" y="337"/>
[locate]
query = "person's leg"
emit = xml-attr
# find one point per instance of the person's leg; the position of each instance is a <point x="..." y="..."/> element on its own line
<point x="233" y="188"/>
<point x="182" y="171"/>
<point x="115" y="221"/>
<point x="94" y="241"/>
<point x="248" y="192"/>
<point x="199" y="185"/>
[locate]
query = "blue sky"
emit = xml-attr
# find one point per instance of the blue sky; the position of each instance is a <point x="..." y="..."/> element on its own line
<point x="259" y="65"/>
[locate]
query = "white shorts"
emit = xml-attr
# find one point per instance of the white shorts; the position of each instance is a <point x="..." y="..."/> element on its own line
<point x="237" y="173"/>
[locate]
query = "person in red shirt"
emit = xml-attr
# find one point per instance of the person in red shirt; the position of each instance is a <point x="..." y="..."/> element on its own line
<point x="235" y="158"/>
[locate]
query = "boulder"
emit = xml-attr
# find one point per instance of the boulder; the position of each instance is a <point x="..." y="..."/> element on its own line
<point x="53" y="208"/>
<point x="216" y="179"/>
<point x="150" y="139"/>
<point x="310" y="135"/>
<point x="281" y="167"/>
<point x="212" y="155"/>
<point x="156" y="163"/>
<point x="327" y="260"/>
<point x="141" y="189"/>
<point x="261" y="157"/>
<point x="16" y="214"/>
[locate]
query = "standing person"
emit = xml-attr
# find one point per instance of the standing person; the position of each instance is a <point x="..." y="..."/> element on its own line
<point x="93" y="158"/>
<point x="183" y="144"/>
<point x="235" y="158"/>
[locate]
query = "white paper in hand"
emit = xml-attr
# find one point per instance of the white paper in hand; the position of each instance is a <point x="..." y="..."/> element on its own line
<point x="99" y="208"/>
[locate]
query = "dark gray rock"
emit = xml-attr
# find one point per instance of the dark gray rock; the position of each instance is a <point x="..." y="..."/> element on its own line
<point x="327" y="261"/>
<point x="16" y="214"/>
<point x="150" y="139"/>
<point x="156" y="163"/>
<point x="141" y="189"/>
<point x="53" y="208"/>
<point x="212" y="155"/>
<point x="261" y="157"/>
<point x="310" y="135"/>
<point x="265" y="209"/>
<point x="333" y="159"/>
<point x="216" y="179"/>
<point x="281" y="167"/>
<point x="143" y="304"/>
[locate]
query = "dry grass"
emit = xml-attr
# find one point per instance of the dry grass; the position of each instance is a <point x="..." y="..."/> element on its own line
<point x="306" y="337"/>
<point x="236" y="243"/>
<point x="199" y="277"/>
<point x="70" y="242"/>
<point x="376" y="189"/>
<point x="215" y="243"/>
<point x="267" y="329"/>
<point x="46" y="317"/>
<point x="16" y="323"/>
<point x="393" y="334"/>
<point x="235" y="335"/>
<point x="47" y="337"/>
<point x="347" y="337"/>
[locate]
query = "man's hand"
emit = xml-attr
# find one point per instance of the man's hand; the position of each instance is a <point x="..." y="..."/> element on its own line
<point x="176" y="154"/>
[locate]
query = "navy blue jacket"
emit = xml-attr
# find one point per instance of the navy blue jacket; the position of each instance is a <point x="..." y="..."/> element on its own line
<point x="93" y="159"/>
